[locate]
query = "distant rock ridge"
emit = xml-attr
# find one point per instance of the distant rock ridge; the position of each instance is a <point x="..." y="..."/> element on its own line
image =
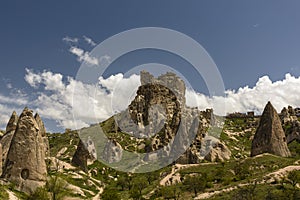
<point x="270" y="136"/>
<point x="25" y="164"/>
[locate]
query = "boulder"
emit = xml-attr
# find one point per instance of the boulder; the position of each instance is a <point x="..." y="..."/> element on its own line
<point x="219" y="153"/>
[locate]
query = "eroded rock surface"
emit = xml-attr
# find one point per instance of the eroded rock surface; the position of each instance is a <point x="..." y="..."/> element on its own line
<point x="270" y="137"/>
<point x="25" y="164"/>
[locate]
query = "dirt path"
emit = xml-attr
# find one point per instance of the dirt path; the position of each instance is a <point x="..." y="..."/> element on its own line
<point x="11" y="195"/>
<point x="174" y="176"/>
<point x="267" y="179"/>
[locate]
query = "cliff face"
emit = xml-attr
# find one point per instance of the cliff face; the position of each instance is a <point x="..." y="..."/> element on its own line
<point x="158" y="112"/>
<point x="158" y="106"/>
<point x="270" y="137"/>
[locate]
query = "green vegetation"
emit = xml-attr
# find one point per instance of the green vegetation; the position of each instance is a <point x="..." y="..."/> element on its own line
<point x="3" y="192"/>
<point x="241" y="177"/>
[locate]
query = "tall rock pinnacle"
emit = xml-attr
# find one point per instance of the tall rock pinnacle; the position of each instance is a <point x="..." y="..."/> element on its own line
<point x="270" y="137"/>
<point x="12" y="123"/>
<point x="25" y="164"/>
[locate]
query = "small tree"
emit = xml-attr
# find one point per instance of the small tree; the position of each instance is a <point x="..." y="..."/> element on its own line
<point x="196" y="183"/>
<point x="291" y="190"/>
<point x="122" y="182"/>
<point x="140" y="184"/>
<point x="246" y="192"/>
<point x="170" y="192"/>
<point x="57" y="187"/>
<point x="129" y="181"/>
<point x="40" y="193"/>
<point x="110" y="194"/>
<point x="151" y="176"/>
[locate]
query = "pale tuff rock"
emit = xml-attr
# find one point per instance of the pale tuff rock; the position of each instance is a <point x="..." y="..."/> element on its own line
<point x="7" y="137"/>
<point x="214" y="150"/>
<point x="43" y="133"/>
<point x="12" y="123"/>
<point x="25" y="164"/>
<point x="269" y="136"/>
<point x="159" y="110"/>
<point x="112" y="152"/>
<point x="90" y="146"/>
<point x="289" y="119"/>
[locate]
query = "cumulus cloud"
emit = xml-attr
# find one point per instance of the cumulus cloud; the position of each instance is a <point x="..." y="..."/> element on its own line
<point x="74" y="104"/>
<point x="68" y="39"/>
<point x="10" y="102"/>
<point x="89" y="41"/>
<point x="280" y="93"/>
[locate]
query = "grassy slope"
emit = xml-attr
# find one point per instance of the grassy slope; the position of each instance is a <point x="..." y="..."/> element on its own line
<point x="241" y="169"/>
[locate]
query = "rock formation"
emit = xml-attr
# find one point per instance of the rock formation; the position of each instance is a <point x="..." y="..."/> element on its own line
<point x="7" y="137"/>
<point x="90" y="146"/>
<point x="41" y="126"/>
<point x="158" y="112"/>
<point x="25" y="164"/>
<point x="290" y="123"/>
<point x="112" y="152"/>
<point x="12" y="123"/>
<point x="81" y="156"/>
<point x="158" y="106"/>
<point x="214" y="150"/>
<point x="269" y="136"/>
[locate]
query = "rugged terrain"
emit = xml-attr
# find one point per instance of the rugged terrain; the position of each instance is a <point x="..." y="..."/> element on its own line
<point x="241" y="156"/>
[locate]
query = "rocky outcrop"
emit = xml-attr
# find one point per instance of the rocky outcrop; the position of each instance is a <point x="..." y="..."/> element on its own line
<point x="81" y="156"/>
<point x="214" y="150"/>
<point x="7" y="137"/>
<point x="158" y="112"/>
<point x="112" y="152"/>
<point x="157" y="107"/>
<point x="41" y="126"/>
<point x="90" y="146"/>
<point x="25" y="164"/>
<point x="289" y="118"/>
<point x="269" y="136"/>
<point x="12" y="123"/>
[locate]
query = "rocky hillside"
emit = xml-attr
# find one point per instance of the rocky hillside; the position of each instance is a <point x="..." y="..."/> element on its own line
<point x="241" y="156"/>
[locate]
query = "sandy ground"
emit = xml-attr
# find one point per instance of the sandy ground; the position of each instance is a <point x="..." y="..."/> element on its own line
<point x="279" y="174"/>
<point x="176" y="176"/>
<point x="11" y="195"/>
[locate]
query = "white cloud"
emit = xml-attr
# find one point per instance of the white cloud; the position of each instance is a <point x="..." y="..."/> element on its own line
<point x="74" y="104"/>
<point x="70" y="39"/>
<point x="89" y="41"/>
<point x="280" y="93"/>
<point x="9" y="86"/>
<point x="84" y="56"/>
<point x="8" y="103"/>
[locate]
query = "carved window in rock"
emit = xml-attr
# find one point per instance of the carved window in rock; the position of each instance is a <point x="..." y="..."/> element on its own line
<point x="25" y="174"/>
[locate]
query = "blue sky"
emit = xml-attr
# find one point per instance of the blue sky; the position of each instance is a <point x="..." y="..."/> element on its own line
<point x="246" y="39"/>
